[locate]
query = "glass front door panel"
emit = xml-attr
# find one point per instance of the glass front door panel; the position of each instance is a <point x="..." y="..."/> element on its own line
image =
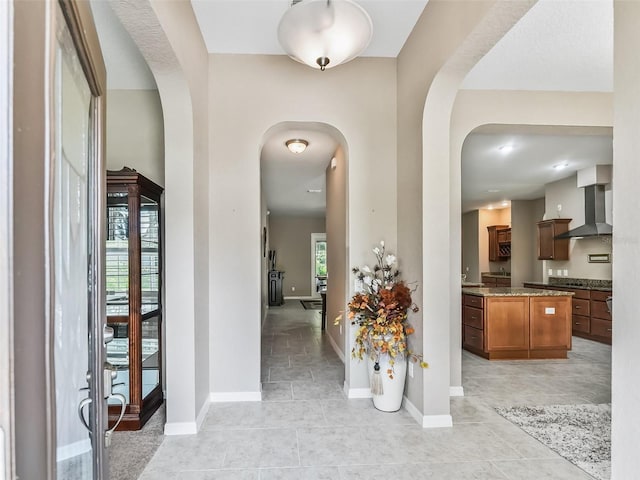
<point x="71" y="243"/>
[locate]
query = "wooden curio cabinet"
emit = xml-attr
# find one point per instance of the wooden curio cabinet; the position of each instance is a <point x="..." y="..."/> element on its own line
<point x="133" y="284"/>
<point x="550" y="248"/>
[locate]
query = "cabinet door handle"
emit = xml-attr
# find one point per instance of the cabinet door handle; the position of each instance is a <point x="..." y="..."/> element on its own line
<point x="608" y="329"/>
<point x="577" y="323"/>
<point x="578" y="307"/>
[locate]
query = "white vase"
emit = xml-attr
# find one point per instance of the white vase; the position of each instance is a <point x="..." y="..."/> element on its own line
<point x="392" y="388"/>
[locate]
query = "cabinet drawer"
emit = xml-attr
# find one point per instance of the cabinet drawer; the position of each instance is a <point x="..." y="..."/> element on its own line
<point x="601" y="328"/>
<point x="600" y="310"/>
<point x="580" y="323"/>
<point x="577" y="293"/>
<point x="473" y="317"/>
<point x="473" y="301"/>
<point x="580" y="306"/>
<point x="489" y="281"/>
<point x="600" y="295"/>
<point x="503" y="282"/>
<point x="473" y="337"/>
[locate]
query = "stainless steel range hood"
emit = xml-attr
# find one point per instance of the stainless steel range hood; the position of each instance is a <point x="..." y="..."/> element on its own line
<point x="594" y="217"/>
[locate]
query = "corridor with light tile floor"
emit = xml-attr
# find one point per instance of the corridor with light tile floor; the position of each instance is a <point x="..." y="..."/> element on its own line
<point x="305" y="427"/>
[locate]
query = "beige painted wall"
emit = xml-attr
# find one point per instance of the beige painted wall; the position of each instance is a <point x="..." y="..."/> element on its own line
<point x="447" y="40"/>
<point x="525" y="265"/>
<point x="135" y="132"/>
<point x="337" y="251"/>
<point x="470" y="246"/>
<point x="566" y="193"/>
<point x="290" y="237"/>
<point x="625" y="434"/>
<point x="169" y="39"/>
<point x="248" y="95"/>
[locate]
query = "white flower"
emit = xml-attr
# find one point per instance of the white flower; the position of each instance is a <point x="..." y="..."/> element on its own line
<point x="366" y="269"/>
<point x="376" y="251"/>
<point x="367" y="280"/>
<point x="378" y="281"/>
<point x="390" y="259"/>
<point x="382" y="243"/>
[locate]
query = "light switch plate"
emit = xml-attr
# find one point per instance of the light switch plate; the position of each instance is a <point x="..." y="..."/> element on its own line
<point x="565" y="272"/>
<point x="551" y="272"/>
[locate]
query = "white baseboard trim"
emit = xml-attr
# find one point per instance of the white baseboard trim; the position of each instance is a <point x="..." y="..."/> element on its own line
<point x="357" y="392"/>
<point x="301" y="297"/>
<point x="412" y="409"/>
<point x="335" y="347"/>
<point x="202" y="414"/>
<point x="427" y="421"/>
<point x="456" y="391"/>
<point x="72" y="450"/>
<point x="437" y="421"/>
<point x="180" y="428"/>
<point x="217" y="397"/>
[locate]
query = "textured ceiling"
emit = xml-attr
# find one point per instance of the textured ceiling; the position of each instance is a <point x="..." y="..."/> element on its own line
<point x="559" y="45"/>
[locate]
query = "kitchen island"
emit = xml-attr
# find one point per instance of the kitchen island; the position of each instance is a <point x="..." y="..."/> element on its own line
<point x="516" y="323"/>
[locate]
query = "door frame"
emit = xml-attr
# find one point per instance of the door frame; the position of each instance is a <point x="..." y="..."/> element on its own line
<point x="6" y="233"/>
<point x="315" y="237"/>
<point x="32" y="106"/>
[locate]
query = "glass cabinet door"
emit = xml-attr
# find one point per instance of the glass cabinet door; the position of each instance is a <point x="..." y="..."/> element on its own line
<point x="117" y="285"/>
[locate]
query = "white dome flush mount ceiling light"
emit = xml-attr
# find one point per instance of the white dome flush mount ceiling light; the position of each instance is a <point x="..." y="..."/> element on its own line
<point x="324" y="33"/>
<point x="296" y="145"/>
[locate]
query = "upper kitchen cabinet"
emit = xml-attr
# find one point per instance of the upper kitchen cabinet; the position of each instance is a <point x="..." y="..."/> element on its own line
<point x="499" y="242"/>
<point x="550" y="248"/>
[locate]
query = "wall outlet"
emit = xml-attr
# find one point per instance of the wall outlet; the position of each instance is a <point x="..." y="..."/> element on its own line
<point x="558" y="272"/>
<point x="565" y="272"/>
<point x="293" y="289"/>
<point x="410" y="368"/>
<point x="551" y="272"/>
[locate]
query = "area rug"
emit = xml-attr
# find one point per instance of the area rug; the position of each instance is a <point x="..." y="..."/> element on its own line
<point x="579" y="433"/>
<point x="311" y="304"/>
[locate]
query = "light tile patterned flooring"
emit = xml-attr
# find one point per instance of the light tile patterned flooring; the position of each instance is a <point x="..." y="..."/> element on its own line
<point x="306" y="429"/>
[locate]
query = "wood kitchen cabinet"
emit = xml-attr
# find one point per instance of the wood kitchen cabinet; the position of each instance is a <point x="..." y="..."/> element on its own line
<point x="517" y="326"/>
<point x="590" y="316"/>
<point x="499" y="242"/>
<point x="550" y="248"/>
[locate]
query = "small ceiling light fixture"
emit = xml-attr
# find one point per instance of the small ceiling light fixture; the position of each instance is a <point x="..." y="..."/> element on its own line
<point x="505" y="203"/>
<point x="296" y="145"/>
<point x="324" y="33"/>
<point x="493" y="190"/>
<point x="314" y="190"/>
<point x="561" y="166"/>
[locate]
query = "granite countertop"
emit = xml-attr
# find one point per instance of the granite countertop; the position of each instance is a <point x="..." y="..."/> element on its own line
<point x="514" y="292"/>
<point x="581" y="284"/>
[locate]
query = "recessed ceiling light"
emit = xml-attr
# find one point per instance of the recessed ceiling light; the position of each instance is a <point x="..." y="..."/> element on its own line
<point x="296" y="145"/>
<point x="314" y="190"/>
<point x="490" y="207"/>
<point x="561" y="166"/>
<point x="505" y="203"/>
<point x="506" y="148"/>
<point x="493" y="190"/>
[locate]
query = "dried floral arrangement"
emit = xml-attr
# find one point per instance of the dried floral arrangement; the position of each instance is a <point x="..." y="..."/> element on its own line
<point x="380" y="311"/>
